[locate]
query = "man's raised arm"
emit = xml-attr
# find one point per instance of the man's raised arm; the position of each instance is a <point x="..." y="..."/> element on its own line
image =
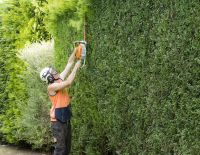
<point x="68" y="66"/>
<point x="59" y="86"/>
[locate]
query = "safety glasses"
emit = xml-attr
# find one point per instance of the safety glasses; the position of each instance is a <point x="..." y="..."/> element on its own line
<point x="53" y="71"/>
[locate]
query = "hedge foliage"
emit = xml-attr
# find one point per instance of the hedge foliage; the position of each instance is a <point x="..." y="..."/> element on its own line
<point x="139" y="93"/>
<point x="65" y="22"/>
<point x="13" y="89"/>
<point x="21" y="23"/>
<point x="139" y="90"/>
<point x="34" y="121"/>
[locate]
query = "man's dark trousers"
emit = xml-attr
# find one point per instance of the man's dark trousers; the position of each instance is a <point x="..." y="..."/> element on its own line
<point x="63" y="136"/>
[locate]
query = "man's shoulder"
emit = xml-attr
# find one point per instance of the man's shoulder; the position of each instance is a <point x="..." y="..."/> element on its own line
<point x="50" y="91"/>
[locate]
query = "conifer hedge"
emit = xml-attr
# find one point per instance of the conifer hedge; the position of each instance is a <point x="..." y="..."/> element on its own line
<point x="139" y="93"/>
<point x="21" y="22"/>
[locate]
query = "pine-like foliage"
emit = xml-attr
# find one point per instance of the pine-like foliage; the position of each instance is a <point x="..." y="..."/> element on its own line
<point x="139" y="93"/>
<point x="34" y="121"/>
<point x="21" y="23"/>
<point x="25" y="19"/>
<point x="12" y="88"/>
<point x="139" y="90"/>
<point x="65" y="22"/>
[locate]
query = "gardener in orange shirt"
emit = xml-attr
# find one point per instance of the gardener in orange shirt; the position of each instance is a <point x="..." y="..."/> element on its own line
<point x="60" y="112"/>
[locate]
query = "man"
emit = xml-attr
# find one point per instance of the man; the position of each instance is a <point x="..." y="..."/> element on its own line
<point x="60" y="112"/>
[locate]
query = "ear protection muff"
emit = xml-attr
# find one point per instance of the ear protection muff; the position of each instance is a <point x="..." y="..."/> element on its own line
<point x="50" y="78"/>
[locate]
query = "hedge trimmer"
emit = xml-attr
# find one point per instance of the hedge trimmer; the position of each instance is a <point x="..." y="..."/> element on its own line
<point x="81" y="47"/>
<point x="81" y="51"/>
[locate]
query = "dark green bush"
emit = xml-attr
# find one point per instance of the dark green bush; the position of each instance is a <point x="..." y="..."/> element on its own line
<point x="139" y="93"/>
<point x="139" y="90"/>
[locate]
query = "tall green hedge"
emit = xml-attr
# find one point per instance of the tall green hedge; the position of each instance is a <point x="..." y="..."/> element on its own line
<point x="12" y="89"/>
<point x="21" y="22"/>
<point x="139" y="90"/>
<point x="34" y="121"/>
<point x="139" y="93"/>
<point x="3" y="77"/>
<point x="64" y="21"/>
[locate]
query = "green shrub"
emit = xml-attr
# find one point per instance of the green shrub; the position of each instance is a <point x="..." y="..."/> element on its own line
<point x="3" y="77"/>
<point x="34" y="121"/>
<point x="65" y="22"/>
<point x="21" y="23"/>
<point x="139" y="92"/>
<point x="12" y="89"/>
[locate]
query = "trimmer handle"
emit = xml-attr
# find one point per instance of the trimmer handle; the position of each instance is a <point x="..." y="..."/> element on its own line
<point x="76" y="43"/>
<point x="81" y="51"/>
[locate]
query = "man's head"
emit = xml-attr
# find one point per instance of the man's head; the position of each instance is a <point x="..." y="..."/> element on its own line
<point x="49" y="75"/>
